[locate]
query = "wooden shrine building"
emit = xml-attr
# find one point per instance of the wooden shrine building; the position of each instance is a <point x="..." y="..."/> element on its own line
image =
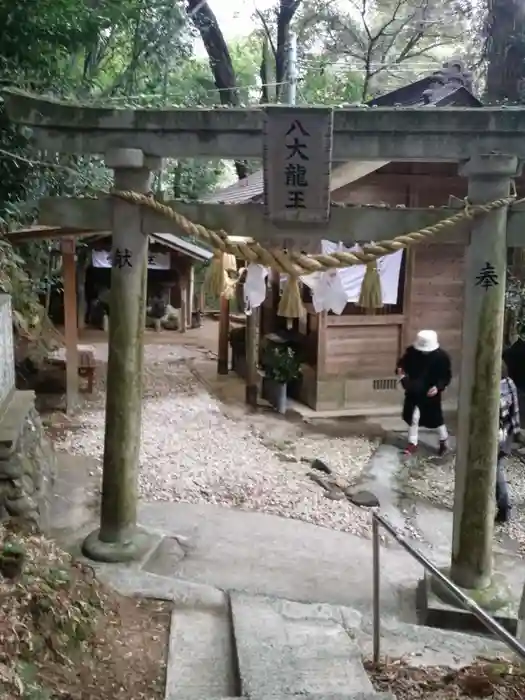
<point x="349" y="359"/>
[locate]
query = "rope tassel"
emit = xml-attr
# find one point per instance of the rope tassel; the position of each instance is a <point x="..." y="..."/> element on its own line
<point x="215" y="278"/>
<point x="371" y="297"/>
<point x="216" y="281"/>
<point x="291" y="305"/>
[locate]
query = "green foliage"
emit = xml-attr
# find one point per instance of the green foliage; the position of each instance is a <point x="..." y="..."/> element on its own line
<point x="388" y="42"/>
<point x="12" y="548"/>
<point x="324" y="83"/>
<point x="280" y="363"/>
<point x="16" y="281"/>
<point x="105" y="52"/>
<point x="191" y="178"/>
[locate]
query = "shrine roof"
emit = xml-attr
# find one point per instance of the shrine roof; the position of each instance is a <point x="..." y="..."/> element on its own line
<point x="181" y="245"/>
<point x="168" y="240"/>
<point x="451" y="86"/>
<point x="192" y="250"/>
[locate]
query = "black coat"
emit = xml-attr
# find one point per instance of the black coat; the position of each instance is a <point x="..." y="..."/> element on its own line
<point x="423" y="370"/>
<point x="515" y="360"/>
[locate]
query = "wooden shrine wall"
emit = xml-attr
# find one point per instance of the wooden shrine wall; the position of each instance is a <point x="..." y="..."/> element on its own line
<point x="358" y="346"/>
<point x="358" y="351"/>
<point x="436" y="295"/>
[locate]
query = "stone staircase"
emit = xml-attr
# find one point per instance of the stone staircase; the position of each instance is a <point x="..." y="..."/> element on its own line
<point x="266" y="648"/>
<point x="235" y="646"/>
<point x="260" y="648"/>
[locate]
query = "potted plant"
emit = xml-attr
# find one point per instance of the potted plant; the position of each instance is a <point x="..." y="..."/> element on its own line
<point x="12" y="556"/>
<point x="281" y="366"/>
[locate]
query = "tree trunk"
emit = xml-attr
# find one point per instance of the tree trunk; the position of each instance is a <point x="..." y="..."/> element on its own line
<point x="285" y="15"/>
<point x="505" y="50"/>
<point x="220" y="60"/>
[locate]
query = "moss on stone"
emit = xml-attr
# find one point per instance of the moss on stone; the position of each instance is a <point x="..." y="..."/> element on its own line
<point x="472" y="561"/>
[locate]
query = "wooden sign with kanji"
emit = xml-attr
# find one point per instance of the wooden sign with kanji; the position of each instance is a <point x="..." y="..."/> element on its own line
<point x="297" y="159"/>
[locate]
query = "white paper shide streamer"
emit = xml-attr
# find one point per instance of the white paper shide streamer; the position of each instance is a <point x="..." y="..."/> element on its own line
<point x="334" y="289"/>
<point x="254" y="286"/>
<point x="331" y="290"/>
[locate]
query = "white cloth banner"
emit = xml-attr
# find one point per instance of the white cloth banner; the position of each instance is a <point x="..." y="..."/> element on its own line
<point x="101" y="258"/>
<point x="159" y="261"/>
<point x="332" y="290"/>
<point x="156" y="261"/>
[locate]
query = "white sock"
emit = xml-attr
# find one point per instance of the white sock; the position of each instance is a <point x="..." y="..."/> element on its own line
<point x="443" y="433"/>
<point x="413" y="429"/>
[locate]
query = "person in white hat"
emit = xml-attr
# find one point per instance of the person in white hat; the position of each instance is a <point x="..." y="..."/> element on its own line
<point x="424" y="372"/>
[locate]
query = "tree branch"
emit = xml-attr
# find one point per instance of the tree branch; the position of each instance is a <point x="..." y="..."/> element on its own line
<point x="39" y="163"/>
<point x="267" y="31"/>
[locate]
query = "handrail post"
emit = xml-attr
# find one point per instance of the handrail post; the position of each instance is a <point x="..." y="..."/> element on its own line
<point x="489" y="622"/>
<point x="376" y="622"/>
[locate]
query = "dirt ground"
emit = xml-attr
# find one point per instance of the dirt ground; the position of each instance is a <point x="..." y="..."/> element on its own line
<point x="207" y="336"/>
<point x="63" y="636"/>
<point x="497" y="680"/>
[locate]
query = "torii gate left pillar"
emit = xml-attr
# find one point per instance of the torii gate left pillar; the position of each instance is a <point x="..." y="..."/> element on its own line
<point x="118" y="539"/>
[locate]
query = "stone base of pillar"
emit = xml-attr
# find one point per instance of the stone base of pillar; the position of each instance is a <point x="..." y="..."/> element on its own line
<point x="222" y="367"/>
<point x="136" y="547"/>
<point x="437" y="608"/>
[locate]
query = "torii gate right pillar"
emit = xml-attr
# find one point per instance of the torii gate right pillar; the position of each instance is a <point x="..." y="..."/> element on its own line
<point x="490" y="178"/>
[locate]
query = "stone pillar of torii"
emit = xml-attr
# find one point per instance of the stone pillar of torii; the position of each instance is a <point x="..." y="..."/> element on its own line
<point x="298" y="146"/>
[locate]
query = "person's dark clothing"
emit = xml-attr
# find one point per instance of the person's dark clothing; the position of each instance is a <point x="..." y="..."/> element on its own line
<point x="424" y="370"/>
<point x="502" y="491"/>
<point x="157" y="308"/>
<point x="509" y="414"/>
<point x="514" y="358"/>
<point x="509" y="425"/>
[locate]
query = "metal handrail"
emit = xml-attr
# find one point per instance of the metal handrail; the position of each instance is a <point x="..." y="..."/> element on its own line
<point x="489" y="622"/>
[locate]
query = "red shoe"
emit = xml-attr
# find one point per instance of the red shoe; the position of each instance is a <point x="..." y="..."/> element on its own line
<point x="443" y="448"/>
<point x="410" y="449"/>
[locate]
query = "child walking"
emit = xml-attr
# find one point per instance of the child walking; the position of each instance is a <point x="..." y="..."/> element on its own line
<point x="424" y="372"/>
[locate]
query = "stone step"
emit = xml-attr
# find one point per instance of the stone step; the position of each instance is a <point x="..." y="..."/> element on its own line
<point x="422" y="646"/>
<point x="360" y="695"/>
<point x="351" y="696"/>
<point x="201" y="659"/>
<point x="286" y="648"/>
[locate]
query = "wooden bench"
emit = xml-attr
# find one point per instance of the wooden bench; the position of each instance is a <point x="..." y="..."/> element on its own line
<point x="86" y="363"/>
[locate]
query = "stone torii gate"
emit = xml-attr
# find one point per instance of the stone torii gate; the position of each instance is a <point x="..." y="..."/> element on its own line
<point x="488" y="142"/>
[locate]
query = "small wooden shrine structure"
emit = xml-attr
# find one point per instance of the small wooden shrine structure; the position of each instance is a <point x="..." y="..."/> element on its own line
<point x="176" y="274"/>
<point x="171" y="262"/>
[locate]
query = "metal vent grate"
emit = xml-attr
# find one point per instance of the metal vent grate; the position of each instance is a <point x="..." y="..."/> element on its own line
<point x="384" y="384"/>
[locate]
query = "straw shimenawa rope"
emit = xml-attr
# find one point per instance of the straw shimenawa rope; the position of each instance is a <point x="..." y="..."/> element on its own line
<point x="294" y="263"/>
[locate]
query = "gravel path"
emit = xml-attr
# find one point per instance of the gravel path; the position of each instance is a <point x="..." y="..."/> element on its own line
<point x="192" y="451"/>
<point x="433" y="481"/>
